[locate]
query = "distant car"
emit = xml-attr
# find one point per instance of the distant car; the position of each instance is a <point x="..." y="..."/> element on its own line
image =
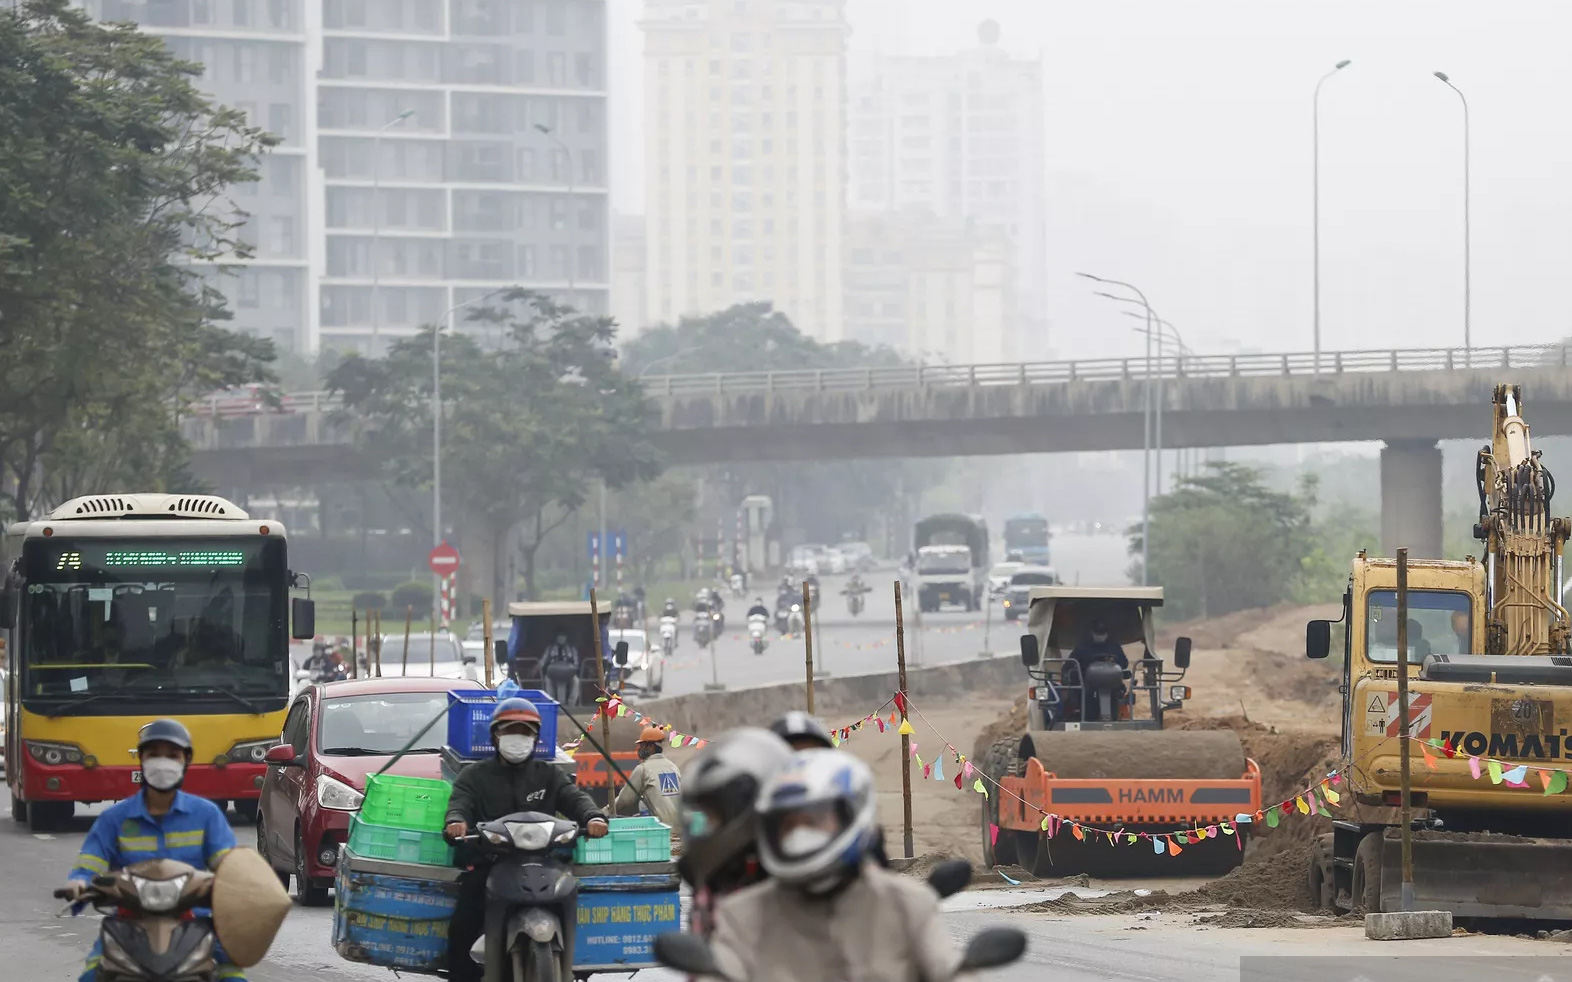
<point x="440" y="656"/>
<point x="832" y="560"/>
<point x="334" y="736"/>
<point x="859" y="555"/>
<point x="1019" y="596"/>
<point x="646" y="670"/>
<point x="999" y="576"/>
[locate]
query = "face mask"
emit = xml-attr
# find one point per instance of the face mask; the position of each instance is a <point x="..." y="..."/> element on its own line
<point x="1099" y="638"/>
<point x="515" y="747"/>
<point x="162" y="773"/>
<point x="802" y="841"/>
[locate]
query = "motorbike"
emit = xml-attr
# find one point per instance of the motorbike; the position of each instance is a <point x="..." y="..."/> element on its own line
<point x="668" y="635"/>
<point x="854" y="603"/>
<point x="717" y="623"/>
<point x="528" y="892"/>
<point x="788" y="620"/>
<point x="756" y="627"/>
<point x="148" y="931"/>
<point x="701" y="628"/>
<point x="737" y="586"/>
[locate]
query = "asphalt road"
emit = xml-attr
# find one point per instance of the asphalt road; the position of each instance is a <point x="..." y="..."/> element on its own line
<point x="36" y="946"/>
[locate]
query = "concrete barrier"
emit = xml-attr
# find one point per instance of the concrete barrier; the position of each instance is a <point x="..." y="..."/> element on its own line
<point x="707" y="714"/>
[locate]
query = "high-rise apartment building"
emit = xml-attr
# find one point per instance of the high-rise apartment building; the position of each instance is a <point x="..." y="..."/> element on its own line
<point x="963" y="137"/>
<point x="435" y="151"/>
<point x="745" y="174"/>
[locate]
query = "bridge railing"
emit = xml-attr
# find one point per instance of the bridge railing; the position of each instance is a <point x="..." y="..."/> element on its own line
<point x="1168" y="366"/>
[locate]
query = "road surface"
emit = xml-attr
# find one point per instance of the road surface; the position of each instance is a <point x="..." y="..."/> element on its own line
<point x="36" y="946"/>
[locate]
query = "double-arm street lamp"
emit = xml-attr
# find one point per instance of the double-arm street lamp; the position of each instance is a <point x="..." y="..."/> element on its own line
<point x="1468" y="340"/>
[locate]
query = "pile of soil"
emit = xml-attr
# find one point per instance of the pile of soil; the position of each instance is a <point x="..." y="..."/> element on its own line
<point x="1258" y="918"/>
<point x="1277" y="882"/>
<point x="1011" y="725"/>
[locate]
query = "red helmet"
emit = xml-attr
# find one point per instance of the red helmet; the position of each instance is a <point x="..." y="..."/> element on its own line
<point x="515" y="710"/>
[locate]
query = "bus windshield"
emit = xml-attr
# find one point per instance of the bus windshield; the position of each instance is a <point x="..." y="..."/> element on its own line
<point x="125" y="620"/>
<point x="1440" y="622"/>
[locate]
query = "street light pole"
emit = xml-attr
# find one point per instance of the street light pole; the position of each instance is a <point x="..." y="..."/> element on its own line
<point x="1467" y="247"/>
<point x="548" y="134"/>
<point x="1163" y="329"/>
<point x="1146" y="453"/>
<point x="376" y="219"/>
<point x="1315" y="180"/>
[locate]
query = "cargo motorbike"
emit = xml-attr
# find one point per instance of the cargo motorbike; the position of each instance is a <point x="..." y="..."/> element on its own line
<point x="531" y="898"/>
<point x="149" y="933"/>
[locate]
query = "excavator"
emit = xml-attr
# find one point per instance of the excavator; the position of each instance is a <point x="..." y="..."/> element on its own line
<point x="1489" y="709"/>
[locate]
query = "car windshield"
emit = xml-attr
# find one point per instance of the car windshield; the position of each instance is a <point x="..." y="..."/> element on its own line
<point x="146" y="619"/>
<point x="1440" y="622"/>
<point x="360" y="726"/>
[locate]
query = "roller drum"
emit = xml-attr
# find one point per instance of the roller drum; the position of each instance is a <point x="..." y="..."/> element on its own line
<point x="1176" y="755"/>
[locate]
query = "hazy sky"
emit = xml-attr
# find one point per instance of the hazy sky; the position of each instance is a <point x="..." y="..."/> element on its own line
<point x="1179" y="158"/>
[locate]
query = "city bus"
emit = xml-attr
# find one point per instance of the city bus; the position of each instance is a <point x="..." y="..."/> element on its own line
<point x="1026" y="535"/>
<point x="123" y="608"/>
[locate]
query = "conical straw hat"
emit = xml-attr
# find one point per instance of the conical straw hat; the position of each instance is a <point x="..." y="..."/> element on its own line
<point x="249" y="906"/>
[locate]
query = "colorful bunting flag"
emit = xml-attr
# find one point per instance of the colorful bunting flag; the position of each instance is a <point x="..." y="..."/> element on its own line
<point x="906" y="728"/>
<point x="977" y="786"/>
<point x="1494" y="766"/>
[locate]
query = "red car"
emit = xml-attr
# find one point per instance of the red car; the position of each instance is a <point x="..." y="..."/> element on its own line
<point x="336" y="734"/>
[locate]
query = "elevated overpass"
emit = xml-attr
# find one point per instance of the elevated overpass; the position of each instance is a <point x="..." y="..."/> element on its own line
<point x="1408" y="399"/>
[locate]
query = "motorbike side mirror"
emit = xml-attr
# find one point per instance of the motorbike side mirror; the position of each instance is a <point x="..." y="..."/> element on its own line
<point x="687" y="953"/>
<point x="622" y="652"/>
<point x="950" y="877"/>
<point x="1318" y="639"/>
<point x="303" y="612"/>
<point x="282" y="755"/>
<point x="1030" y="656"/>
<point x="993" y="947"/>
<point x="1182" y="653"/>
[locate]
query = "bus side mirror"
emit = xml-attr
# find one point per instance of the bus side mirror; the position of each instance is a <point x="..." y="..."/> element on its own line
<point x="7" y="609"/>
<point x="622" y="652"/>
<point x="1029" y="653"/>
<point x="303" y="612"/>
<point x="1182" y="653"/>
<point x="1318" y="639"/>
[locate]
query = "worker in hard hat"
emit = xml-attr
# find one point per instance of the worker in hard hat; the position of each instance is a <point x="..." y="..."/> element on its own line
<point x="655" y="783"/>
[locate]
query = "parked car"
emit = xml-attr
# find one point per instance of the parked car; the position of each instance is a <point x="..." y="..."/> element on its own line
<point x="334" y="736"/>
<point x="439" y="655"/>
<point x="646" y="669"/>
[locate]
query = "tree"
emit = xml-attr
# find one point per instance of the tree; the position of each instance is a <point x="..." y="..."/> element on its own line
<point x="527" y="428"/>
<point x="114" y="173"/>
<point x="1222" y="541"/>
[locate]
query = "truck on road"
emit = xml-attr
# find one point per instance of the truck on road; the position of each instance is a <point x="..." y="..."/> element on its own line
<point x="952" y="561"/>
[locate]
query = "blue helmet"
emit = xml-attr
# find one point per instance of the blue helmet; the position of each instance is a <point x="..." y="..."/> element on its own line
<point x="164" y="731"/>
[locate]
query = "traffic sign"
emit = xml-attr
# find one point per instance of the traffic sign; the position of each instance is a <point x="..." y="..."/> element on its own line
<point x="444" y="559"/>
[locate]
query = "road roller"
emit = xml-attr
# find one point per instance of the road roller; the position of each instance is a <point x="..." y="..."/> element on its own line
<point x="1095" y="751"/>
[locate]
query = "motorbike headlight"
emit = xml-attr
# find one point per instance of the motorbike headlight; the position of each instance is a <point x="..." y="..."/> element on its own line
<point x="566" y="836"/>
<point x="530" y="836"/>
<point x="495" y="838"/>
<point x="335" y="794"/>
<point x="159" y="896"/>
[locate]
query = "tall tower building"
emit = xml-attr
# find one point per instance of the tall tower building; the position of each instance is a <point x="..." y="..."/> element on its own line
<point x="745" y="117"/>
<point x="962" y="136"/>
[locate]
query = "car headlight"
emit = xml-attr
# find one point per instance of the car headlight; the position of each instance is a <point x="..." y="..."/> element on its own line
<point x="335" y="794"/>
<point x="159" y="896"/>
<point x="249" y="751"/>
<point x="530" y="836"/>
<point x="54" y="753"/>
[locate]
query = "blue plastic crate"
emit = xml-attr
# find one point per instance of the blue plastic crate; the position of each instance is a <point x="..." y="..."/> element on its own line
<point x="469" y="722"/>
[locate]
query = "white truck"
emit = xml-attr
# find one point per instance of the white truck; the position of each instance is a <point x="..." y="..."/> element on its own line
<point x="952" y="562"/>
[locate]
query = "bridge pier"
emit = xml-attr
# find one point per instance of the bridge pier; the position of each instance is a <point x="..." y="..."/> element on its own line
<point x="1411" y="498"/>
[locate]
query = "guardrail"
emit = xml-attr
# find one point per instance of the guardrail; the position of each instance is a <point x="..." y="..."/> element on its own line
<point x="1168" y="366"/>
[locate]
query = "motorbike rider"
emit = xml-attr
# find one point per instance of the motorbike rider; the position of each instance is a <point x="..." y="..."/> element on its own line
<point x="856" y="585"/>
<point x="828" y="911"/>
<point x="804" y="732"/>
<point x="669" y="609"/>
<point x="719" y="826"/>
<point x="758" y="609"/>
<point x="655" y="781"/>
<point x="159" y="822"/>
<point x="512" y="781"/>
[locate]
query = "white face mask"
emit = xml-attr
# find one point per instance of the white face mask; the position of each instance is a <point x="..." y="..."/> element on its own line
<point x="802" y="841"/>
<point x="162" y="773"/>
<point x="515" y="747"/>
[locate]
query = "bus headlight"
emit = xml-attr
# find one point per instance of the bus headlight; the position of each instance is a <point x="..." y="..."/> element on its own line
<point x="54" y="753"/>
<point x="248" y="751"/>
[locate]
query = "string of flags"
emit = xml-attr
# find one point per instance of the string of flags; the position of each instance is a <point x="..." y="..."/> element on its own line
<point x="614" y="706"/>
<point x="1552" y="780"/>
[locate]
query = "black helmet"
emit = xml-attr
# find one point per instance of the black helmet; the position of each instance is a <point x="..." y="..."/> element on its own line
<point x="719" y="788"/>
<point x="798" y="725"/>
<point x="165" y="731"/>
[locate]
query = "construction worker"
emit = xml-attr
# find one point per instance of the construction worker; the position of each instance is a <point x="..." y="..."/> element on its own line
<point x="828" y="911"/>
<point x="159" y="822"/>
<point x="514" y="780"/>
<point x="719" y="825"/>
<point x="655" y="782"/>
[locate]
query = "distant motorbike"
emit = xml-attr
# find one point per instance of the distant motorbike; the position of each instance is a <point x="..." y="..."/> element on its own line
<point x="854" y="603"/>
<point x="737" y="585"/>
<point x="701" y="628"/>
<point x="757" y="624"/>
<point x="793" y="620"/>
<point x="668" y="635"/>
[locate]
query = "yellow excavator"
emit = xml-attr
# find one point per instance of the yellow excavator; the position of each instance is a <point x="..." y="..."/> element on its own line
<point x="1489" y="709"/>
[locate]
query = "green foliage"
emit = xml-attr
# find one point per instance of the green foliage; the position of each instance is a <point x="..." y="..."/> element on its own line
<point x="1222" y="541"/>
<point x="114" y="172"/>
<point x="528" y="427"/>
<point x="415" y="593"/>
<point x="372" y="601"/>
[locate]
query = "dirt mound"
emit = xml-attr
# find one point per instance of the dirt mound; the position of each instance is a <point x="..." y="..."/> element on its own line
<point x="1259" y="918"/>
<point x="1012" y="724"/>
<point x="1123" y="902"/>
<point x="1277" y="882"/>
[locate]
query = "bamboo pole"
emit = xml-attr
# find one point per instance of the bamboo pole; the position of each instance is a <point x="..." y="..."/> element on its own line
<point x="376" y="632"/>
<point x="354" y="642"/>
<point x="906" y="741"/>
<point x="485" y="611"/>
<point x="1405" y="812"/>
<point x="807" y="636"/>
<point x="409" y="617"/>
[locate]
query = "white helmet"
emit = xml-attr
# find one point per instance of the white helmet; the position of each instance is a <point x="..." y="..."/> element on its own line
<point x="818" y="818"/>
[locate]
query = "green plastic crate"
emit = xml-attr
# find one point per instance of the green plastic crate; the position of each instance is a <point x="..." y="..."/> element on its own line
<point x="415" y="803"/>
<point x="398" y="845"/>
<point x="631" y="840"/>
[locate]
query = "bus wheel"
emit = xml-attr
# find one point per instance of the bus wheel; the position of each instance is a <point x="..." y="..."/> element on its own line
<point x="46" y="816"/>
